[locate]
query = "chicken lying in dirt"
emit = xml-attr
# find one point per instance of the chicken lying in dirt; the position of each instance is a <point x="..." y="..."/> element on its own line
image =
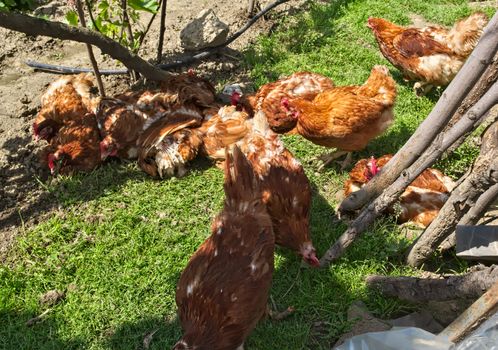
<point x="274" y="98"/>
<point x="223" y="291"/>
<point x="422" y="199"/>
<point x="345" y="117"/>
<point x="75" y="147"/>
<point x="168" y="142"/>
<point x="67" y="99"/>
<point x="432" y="55"/>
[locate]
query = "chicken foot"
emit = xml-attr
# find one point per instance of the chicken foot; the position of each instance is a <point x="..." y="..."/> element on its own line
<point x="421" y="89"/>
<point x="278" y="315"/>
<point x="330" y="157"/>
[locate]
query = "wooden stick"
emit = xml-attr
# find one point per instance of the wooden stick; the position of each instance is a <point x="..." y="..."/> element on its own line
<point x="430" y="128"/>
<point x="37" y="26"/>
<point x="391" y="194"/>
<point x="129" y="33"/>
<point x="421" y="290"/>
<point x="81" y="15"/>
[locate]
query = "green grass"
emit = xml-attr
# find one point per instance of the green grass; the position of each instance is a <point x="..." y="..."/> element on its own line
<point x="122" y="239"/>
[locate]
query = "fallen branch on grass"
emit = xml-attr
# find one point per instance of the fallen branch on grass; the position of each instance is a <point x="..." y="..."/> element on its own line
<point x="421" y="290"/>
<point x="181" y="62"/>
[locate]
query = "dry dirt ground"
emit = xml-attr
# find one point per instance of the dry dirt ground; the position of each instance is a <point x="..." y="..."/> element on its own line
<point x="24" y="199"/>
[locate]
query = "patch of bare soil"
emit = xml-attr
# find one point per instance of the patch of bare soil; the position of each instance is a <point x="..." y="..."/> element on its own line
<point x="23" y="198"/>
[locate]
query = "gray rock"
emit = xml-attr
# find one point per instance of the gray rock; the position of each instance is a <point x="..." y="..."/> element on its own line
<point x="51" y="9"/>
<point x="477" y="242"/>
<point x="206" y="30"/>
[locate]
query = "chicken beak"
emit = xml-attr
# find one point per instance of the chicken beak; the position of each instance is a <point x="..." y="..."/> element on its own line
<point x="309" y="255"/>
<point x="313" y="260"/>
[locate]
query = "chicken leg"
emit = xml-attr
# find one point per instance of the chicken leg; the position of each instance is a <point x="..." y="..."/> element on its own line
<point x="330" y="157"/>
<point x="278" y="315"/>
<point x="421" y="89"/>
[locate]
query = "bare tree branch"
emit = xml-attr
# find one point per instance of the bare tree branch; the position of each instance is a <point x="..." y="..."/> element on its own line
<point x="36" y="26"/>
<point x="470" y="285"/>
<point x="162" y="28"/>
<point x="428" y="130"/>
<point x="81" y="15"/>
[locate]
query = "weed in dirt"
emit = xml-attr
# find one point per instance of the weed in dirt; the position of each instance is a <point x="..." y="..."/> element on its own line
<point x="120" y="242"/>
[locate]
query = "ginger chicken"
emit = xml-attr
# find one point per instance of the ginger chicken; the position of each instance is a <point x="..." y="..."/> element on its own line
<point x="169" y="141"/>
<point x="431" y="55"/>
<point x="167" y="145"/>
<point x="422" y="199"/>
<point x="274" y="98"/>
<point x="75" y="147"/>
<point x="120" y="124"/>
<point x="67" y="99"/>
<point x="223" y="291"/>
<point x="286" y="188"/>
<point x="345" y="117"/>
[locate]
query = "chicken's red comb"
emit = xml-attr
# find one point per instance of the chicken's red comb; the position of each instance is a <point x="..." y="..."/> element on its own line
<point x="372" y="165"/>
<point x="191" y="72"/>
<point x="51" y="161"/>
<point x="235" y="98"/>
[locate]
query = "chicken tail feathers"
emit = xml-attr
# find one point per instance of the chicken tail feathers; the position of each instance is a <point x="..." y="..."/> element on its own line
<point x="466" y="33"/>
<point x="241" y="184"/>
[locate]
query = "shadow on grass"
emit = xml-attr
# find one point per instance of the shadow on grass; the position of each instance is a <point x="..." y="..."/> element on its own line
<point x="149" y="333"/>
<point x="15" y="334"/>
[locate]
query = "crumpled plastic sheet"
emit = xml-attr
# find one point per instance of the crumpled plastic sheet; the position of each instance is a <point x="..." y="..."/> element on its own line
<point x="485" y="337"/>
<point x="397" y="338"/>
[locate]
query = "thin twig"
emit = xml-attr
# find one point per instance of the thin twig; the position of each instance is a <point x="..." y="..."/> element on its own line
<point x="81" y="15"/>
<point x="92" y="19"/>
<point x="142" y="36"/>
<point x="129" y="33"/>
<point x="162" y="29"/>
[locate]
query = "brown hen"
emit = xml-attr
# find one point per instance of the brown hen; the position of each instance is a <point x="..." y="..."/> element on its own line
<point x="67" y="99"/>
<point x="286" y="188"/>
<point x="75" y="147"/>
<point x="223" y="291"/>
<point x="422" y="199"/>
<point x="346" y="117"/>
<point x="274" y="98"/>
<point x="432" y="55"/>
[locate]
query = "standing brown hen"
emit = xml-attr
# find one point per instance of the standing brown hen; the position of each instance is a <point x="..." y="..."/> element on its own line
<point x="223" y="291"/>
<point x="431" y="55"/>
<point x="346" y="117"/>
<point x="274" y="98"/>
<point x="286" y="189"/>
